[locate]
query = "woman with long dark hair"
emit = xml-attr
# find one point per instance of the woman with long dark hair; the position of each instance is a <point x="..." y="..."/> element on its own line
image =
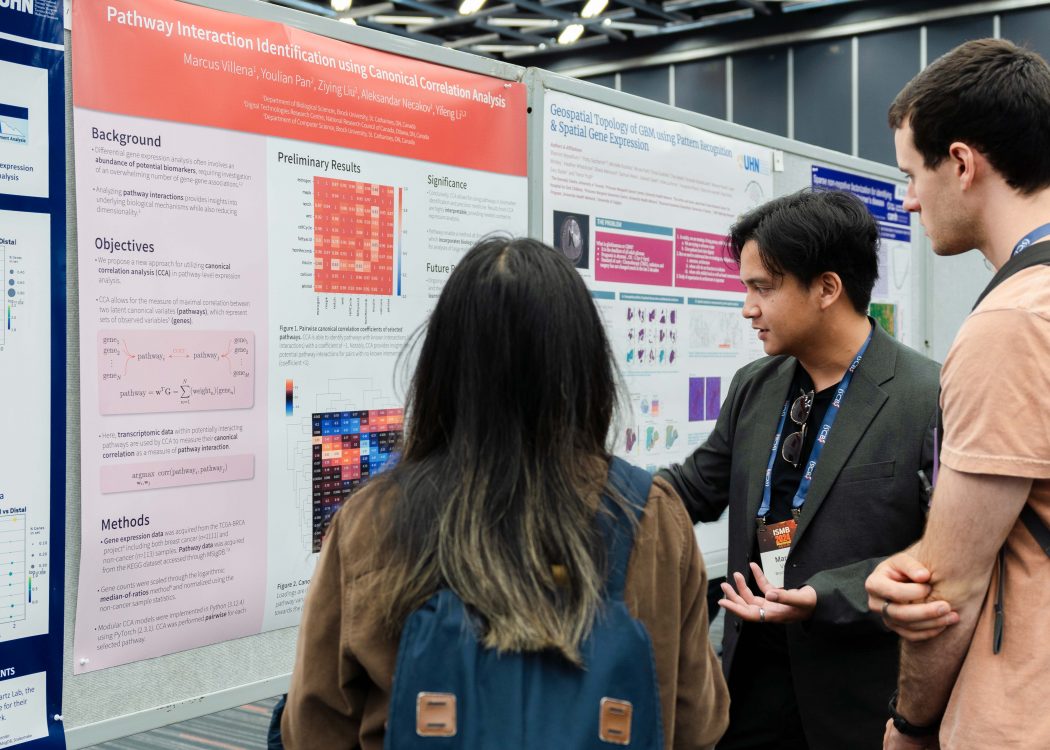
<point x="495" y="498"/>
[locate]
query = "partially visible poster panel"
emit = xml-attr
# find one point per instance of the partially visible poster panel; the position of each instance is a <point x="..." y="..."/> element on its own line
<point x="893" y="289"/>
<point x="32" y="373"/>
<point x="642" y="206"/>
<point x="264" y="217"/>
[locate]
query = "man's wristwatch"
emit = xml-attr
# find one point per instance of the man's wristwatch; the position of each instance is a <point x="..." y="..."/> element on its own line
<point x="905" y="727"/>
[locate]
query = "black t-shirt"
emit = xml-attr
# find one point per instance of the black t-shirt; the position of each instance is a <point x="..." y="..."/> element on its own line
<point x="786" y="477"/>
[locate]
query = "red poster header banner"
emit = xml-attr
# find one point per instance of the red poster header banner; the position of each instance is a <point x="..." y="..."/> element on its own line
<point x="172" y="61"/>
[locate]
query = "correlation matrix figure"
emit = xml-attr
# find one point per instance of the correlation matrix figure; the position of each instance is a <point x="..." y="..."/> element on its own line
<point x="32" y="379"/>
<point x="251" y="263"/>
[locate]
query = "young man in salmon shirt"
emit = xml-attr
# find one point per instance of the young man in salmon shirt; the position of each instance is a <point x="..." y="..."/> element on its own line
<point x="972" y="134"/>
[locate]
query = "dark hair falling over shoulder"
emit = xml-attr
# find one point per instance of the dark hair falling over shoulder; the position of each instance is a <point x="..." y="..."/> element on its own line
<point x="504" y="454"/>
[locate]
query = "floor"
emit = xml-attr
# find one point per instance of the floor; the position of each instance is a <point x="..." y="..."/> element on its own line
<point x="241" y="728"/>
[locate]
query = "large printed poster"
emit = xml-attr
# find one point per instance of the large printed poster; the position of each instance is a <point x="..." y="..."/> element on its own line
<point x="264" y="217"/>
<point x="642" y="207"/>
<point x="32" y="373"/>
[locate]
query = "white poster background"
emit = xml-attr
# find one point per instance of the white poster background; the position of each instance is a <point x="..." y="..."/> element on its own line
<point x="25" y="364"/>
<point x="643" y="182"/>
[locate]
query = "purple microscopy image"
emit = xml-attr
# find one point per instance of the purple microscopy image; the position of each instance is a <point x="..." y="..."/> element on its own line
<point x="714" y="398"/>
<point x="696" y="399"/>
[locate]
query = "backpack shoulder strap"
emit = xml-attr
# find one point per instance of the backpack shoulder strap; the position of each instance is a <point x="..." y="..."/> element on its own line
<point x="1035" y="255"/>
<point x="1036" y="527"/>
<point x="616" y="526"/>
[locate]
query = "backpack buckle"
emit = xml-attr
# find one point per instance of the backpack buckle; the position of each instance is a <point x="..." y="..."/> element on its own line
<point x="436" y="715"/>
<point x="614" y="721"/>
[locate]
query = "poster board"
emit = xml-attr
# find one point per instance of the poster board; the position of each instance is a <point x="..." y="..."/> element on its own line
<point x="250" y="264"/>
<point x="640" y="195"/>
<point x="32" y="375"/>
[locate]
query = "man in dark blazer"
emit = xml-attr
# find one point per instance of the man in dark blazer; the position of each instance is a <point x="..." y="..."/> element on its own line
<point x="817" y="450"/>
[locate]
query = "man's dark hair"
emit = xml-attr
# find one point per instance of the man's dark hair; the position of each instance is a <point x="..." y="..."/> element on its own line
<point x="991" y="95"/>
<point x="811" y="232"/>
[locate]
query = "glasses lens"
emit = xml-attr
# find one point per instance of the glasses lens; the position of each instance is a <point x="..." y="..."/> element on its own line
<point x="792" y="450"/>
<point x="800" y="408"/>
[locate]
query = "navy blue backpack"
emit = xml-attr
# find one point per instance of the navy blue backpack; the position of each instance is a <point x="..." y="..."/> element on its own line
<point x="452" y="693"/>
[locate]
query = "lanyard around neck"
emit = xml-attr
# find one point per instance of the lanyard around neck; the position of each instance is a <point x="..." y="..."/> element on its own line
<point x="1031" y="238"/>
<point x="818" y="447"/>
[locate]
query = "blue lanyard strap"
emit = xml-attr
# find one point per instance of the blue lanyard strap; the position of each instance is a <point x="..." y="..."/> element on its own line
<point x="1031" y="238"/>
<point x="818" y="447"/>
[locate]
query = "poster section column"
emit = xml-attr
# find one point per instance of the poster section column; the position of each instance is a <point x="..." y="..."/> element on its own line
<point x="264" y="216"/>
<point x="32" y="373"/>
<point x="642" y="207"/>
<point x="885" y="200"/>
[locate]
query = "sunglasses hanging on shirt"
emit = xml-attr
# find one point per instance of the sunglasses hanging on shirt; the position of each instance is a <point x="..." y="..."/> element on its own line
<point x="799" y="413"/>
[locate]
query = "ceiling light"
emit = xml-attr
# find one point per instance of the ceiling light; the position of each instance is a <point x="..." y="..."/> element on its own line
<point x="571" y="33"/>
<point x="341" y="6"/>
<point x="470" y="6"/>
<point x="593" y="8"/>
<point x="523" y="23"/>
<point x="394" y="20"/>
<point x="505" y="47"/>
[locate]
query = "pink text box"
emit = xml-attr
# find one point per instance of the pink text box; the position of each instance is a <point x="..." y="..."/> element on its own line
<point x="176" y="472"/>
<point x="627" y="259"/>
<point x="145" y="372"/>
<point x="701" y="262"/>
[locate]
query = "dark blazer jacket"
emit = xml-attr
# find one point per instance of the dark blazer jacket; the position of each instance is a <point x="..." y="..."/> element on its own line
<point x="865" y="503"/>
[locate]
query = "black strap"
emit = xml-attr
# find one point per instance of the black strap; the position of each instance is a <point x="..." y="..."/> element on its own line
<point x="1036" y="526"/>
<point x="1035" y="255"/>
<point x="633" y="484"/>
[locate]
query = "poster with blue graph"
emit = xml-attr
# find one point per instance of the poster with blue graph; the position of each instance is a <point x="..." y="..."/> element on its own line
<point x="32" y="373"/>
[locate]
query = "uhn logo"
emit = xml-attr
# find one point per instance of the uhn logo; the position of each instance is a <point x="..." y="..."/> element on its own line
<point x="750" y="163"/>
<point x="26" y="6"/>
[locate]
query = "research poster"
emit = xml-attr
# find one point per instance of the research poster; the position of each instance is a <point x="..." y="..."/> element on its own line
<point x="891" y="297"/>
<point x="642" y="207"/>
<point x="32" y="373"/>
<point x="264" y="218"/>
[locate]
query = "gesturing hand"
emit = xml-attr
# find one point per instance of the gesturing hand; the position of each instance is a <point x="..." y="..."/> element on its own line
<point x="775" y="604"/>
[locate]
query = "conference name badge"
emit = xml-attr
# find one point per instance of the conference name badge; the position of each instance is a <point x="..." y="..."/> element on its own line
<point x="774" y="545"/>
